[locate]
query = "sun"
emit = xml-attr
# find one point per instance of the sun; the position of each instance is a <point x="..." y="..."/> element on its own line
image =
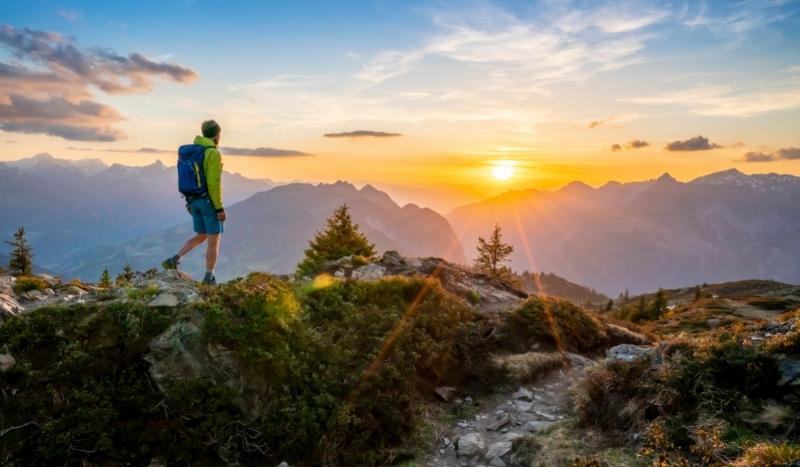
<point x="503" y="170"/>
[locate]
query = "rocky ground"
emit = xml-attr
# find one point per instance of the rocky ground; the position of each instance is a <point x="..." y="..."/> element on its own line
<point x="487" y="436"/>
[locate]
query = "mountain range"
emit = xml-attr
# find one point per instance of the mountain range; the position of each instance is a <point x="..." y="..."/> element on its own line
<point x="69" y="206"/>
<point x="83" y="216"/>
<point x="644" y="235"/>
<point x="270" y="231"/>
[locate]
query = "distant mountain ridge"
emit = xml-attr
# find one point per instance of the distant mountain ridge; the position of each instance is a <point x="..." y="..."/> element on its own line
<point x="71" y="205"/>
<point x="644" y="235"/>
<point x="270" y="231"/>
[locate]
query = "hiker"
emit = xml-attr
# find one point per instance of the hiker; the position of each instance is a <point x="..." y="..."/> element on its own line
<point x="200" y="183"/>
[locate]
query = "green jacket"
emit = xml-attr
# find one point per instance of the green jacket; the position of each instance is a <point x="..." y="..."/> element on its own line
<point x="212" y="167"/>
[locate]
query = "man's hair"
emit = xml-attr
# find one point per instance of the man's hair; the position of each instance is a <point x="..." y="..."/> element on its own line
<point x="210" y="128"/>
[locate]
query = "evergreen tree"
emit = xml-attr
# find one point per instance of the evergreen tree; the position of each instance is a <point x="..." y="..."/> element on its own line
<point x="105" y="279"/>
<point x="126" y="276"/>
<point x="610" y="305"/>
<point x="21" y="261"/>
<point x="627" y="295"/>
<point x="642" y="306"/>
<point x="492" y="254"/>
<point x="698" y="293"/>
<point x="660" y="304"/>
<point x="340" y="238"/>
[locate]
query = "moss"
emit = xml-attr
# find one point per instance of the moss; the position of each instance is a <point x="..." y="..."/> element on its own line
<point x="144" y="294"/>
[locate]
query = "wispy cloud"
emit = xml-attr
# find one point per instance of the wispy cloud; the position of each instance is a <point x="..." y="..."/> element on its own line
<point x="362" y="134"/>
<point x="637" y="144"/>
<point x="69" y="15"/>
<point x="780" y="154"/>
<point x="48" y="64"/>
<point x="718" y="100"/>
<point x="261" y="152"/>
<point x="697" y="143"/>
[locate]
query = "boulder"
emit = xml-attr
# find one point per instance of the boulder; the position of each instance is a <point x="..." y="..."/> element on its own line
<point x="9" y="305"/>
<point x="523" y="394"/>
<point x="498" y="449"/>
<point x="469" y="445"/>
<point x="369" y="272"/>
<point x="179" y="353"/>
<point x="629" y="352"/>
<point x="502" y="421"/>
<point x="165" y="299"/>
<point x="7" y="362"/>
<point x="536" y="426"/>
<point x="446" y="393"/>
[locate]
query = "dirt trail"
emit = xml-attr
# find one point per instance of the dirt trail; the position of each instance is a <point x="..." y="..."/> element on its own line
<point x="486" y="438"/>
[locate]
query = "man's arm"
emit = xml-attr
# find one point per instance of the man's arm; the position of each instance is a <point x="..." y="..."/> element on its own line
<point x="213" y="169"/>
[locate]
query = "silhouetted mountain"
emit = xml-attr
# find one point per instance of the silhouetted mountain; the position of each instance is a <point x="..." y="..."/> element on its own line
<point x="68" y="205"/>
<point x="557" y="286"/>
<point x="659" y="233"/>
<point x="270" y="230"/>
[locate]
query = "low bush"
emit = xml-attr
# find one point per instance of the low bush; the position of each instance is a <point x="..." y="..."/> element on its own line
<point x="701" y="403"/>
<point x="27" y="283"/>
<point x="558" y="323"/>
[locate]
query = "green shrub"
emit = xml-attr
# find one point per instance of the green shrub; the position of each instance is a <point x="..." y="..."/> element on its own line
<point x="769" y="455"/>
<point x="27" y="283"/>
<point x="556" y="322"/>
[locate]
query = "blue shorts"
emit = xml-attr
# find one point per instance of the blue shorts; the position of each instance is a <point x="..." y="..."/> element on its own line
<point x="204" y="217"/>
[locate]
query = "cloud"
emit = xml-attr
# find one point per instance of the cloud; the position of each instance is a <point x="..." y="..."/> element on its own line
<point x="261" y="152"/>
<point x="595" y="124"/>
<point x="637" y="143"/>
<point x="758" y="157"/>
<point x="780" y="154"/>
<point x="47" y="64"/>
<point x="84" y="120"/>
<point x="723" y="100"/>
<point x="789" y="153"/>
<point x="697" y="143"/>
<point x="362" y="134"/>
<point x="69" y="15"/>
<point x="616" y="147"/>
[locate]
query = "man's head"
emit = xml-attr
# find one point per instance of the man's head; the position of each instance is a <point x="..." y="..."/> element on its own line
<point x="211" y="130"/>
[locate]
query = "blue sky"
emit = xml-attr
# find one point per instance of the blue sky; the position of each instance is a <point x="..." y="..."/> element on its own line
<point x="550" y="86"/>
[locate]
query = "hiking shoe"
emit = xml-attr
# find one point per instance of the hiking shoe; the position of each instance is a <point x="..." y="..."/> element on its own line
<point x="209" y="279"/>
<point x="171" y="263"/>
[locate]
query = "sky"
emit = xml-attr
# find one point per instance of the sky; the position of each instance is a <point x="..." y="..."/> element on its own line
<point x="456" y="100"/>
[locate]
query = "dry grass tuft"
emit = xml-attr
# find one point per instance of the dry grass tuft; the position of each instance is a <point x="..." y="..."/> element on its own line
<point x="527" y="366"/>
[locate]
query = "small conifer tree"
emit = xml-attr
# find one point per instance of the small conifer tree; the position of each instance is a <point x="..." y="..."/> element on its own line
<point x="21" y="261"/>
<point x="492" y="254"/>
<point x="105" y="279"/>
<point x="126" y="276"/>
<point x="698" y="293"/>
<point x="660" y="303"/>
<point x="610" y="305"/>
<point x="340" y="238"/>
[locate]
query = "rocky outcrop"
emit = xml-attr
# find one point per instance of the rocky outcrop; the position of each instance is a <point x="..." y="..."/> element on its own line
<point x="484" y="292"/>
<point x="9" y="305"/>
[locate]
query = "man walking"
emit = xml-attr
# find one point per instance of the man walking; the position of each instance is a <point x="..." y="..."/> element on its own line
<point x="200" y="182"/>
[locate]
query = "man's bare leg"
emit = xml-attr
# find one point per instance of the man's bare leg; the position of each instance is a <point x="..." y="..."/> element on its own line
<point x="192" y="243"/>
<point x="212" y="250"/>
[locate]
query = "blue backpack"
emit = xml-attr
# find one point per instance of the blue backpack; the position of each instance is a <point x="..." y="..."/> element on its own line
<point x="191" y="177"/>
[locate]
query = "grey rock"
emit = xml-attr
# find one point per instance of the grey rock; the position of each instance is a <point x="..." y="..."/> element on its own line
<point x="445" y="393"/>
<point x="629" y="352"/>
<point x="497" y="462"/>
<point x="75" y="290"/>
<point x="165" y="299"/>
<point x="283" y="464"/>
<point x="469" y="445"/>
<point x="713" y="322"/>
<point x="523" y="406"/>
<point x="49" y="292"/>
<point x="369" y="272"/>
<point x="523" y="394"/>
<point x="790" y="371"/>
<point x="7" y="362"/>
<point x="179" y="353"/>
<point x="498" y="449"/>
<point x="499" y="423"/>
<point x="157" y="462"/>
